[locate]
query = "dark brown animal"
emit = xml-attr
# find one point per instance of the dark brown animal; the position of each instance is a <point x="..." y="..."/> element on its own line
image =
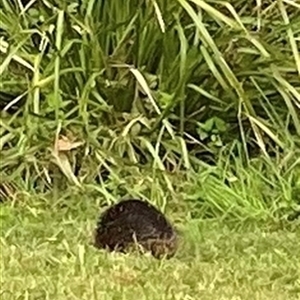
<point x="135" y="222"/>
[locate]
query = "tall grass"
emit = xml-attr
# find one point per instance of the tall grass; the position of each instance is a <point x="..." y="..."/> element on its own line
<point x="131" y="89"/>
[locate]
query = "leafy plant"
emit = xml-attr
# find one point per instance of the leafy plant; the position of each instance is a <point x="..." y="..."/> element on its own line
<point x="157" y="86"/>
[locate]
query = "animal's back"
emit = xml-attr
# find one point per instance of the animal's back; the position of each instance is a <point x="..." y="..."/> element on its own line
<point x="135" y="221"/>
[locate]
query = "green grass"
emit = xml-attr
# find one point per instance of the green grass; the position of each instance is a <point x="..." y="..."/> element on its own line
<point x="190" y="104"/>
<point x="46" y="254"/>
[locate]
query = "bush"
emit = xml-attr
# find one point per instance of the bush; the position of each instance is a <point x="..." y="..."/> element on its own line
<point x="91" y="89"/>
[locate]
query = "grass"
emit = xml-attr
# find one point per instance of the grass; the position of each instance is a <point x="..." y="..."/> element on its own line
<point x="192" y="105"/>
<point x="46" y="254"/>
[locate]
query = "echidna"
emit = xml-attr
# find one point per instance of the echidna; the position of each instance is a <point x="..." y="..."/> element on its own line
<point x="135" y="222"/>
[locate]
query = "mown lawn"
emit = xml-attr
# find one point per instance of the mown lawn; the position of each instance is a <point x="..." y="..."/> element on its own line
<point x="192" y="104"/>
<point x="46" y="254"/>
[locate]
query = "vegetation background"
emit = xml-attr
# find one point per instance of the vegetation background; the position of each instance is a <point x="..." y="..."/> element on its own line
<point x="192" y="105"/>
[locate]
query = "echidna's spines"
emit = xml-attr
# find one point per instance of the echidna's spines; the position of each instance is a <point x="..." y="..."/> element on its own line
<point x="135" y="221"/>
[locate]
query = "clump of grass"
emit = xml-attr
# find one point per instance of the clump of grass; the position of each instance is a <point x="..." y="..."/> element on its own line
<point x="112" y="99"/>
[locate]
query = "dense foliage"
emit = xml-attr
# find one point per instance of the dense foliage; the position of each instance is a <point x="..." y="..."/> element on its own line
<point x="136" y="91"/>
